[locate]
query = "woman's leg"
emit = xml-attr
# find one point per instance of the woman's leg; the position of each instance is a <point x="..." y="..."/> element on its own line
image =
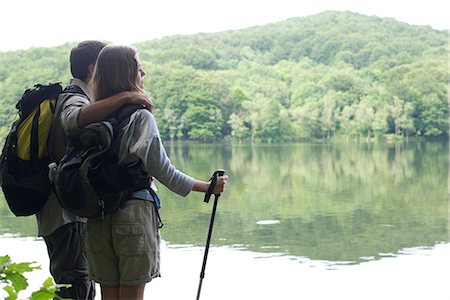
<point x="110" y="292"/>
<point x="132" y="292"/>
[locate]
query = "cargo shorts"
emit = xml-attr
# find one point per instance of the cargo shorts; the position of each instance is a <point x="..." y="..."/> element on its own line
<point x="123" y="248"/>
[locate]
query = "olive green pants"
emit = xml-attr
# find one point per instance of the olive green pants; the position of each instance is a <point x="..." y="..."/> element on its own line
<point x="66" y="249"/>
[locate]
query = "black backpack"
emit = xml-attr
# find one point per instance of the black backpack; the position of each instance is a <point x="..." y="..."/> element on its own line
<point x="88" y="181"/>
<point x="25" y="156"/>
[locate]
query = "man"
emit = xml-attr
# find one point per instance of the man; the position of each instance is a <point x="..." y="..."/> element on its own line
<point x="63" y="232"/>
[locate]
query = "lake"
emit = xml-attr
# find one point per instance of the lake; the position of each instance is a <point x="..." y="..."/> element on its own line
<point x="297" y="221"/>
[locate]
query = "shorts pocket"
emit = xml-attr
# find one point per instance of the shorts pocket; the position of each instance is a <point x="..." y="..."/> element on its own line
<point x="131" y="239"/>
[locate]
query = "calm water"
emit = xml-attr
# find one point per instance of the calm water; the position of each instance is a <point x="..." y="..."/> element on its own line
<point x="300" y="221"/>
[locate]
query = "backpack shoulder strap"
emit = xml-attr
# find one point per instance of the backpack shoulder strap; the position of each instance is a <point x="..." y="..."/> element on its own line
<point x="73" y="89"/>
<point x="57" y="141"/>
<point x="117" y="120"/>
<point x="125" y="111"/>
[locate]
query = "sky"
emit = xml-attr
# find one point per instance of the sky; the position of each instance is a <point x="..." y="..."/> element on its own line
<point x="48" y="23"/>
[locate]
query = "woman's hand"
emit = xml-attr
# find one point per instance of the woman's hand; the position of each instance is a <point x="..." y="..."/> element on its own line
<point x="220" y="184"/>
<point x="203" y="186"/>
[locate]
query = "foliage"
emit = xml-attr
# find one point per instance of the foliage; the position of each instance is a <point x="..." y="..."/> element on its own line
<point x="13" y="281"/>
<point x="318" y="77"/>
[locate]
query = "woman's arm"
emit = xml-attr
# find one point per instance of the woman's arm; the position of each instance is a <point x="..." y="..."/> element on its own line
<point x="149" y="148"/>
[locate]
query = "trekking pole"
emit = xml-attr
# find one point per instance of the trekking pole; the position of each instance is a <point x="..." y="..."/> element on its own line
<point x="211" y="224"/>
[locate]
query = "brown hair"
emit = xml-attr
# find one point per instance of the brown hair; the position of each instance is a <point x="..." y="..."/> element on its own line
<point x="115" y="71"/>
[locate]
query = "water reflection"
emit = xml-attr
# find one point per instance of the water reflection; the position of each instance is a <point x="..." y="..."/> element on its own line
<point x="335" y="203"/>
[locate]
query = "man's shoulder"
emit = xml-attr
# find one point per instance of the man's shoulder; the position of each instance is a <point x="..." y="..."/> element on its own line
<point x="71" y="99"/>
<point x="76" y="87"/>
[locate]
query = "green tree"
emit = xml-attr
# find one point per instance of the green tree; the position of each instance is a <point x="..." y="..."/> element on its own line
<point x="199" y="58"/>
<point x="270" y="127"/>
<point x="203" y="123"/>
<point x="379" y="122"/>
<point x="239" y="129"/>
<point x="347" y="121"/>
<point x="402" y="114"/>
<point x="432" y="115"/>
<point x="364" y="116"/>
<point x="327" y="117"/>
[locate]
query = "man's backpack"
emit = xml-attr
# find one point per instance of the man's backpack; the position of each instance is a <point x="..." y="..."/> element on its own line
<point x="24" y="159"/>
<point x="88" y="180"/>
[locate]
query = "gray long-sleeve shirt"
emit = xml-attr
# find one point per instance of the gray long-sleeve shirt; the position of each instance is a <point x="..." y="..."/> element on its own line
<point x="139" y="140"/>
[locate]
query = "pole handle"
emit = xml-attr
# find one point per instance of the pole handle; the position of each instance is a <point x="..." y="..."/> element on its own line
<point x="213" y="180"/>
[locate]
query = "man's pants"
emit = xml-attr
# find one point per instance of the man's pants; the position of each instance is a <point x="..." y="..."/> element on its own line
<point x="66" y="249"/>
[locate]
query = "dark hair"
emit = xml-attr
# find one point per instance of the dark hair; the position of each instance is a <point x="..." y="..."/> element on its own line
<point x="83" y="55"/>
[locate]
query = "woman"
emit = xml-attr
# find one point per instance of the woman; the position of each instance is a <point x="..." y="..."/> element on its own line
<point x="123" y="249"/>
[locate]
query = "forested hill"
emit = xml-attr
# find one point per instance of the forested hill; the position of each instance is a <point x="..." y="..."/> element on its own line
<point x="324" y="38"/>
<point x="318" y="77"/>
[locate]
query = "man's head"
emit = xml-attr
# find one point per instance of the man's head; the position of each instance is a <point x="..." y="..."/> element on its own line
<point x="83" y="57"/>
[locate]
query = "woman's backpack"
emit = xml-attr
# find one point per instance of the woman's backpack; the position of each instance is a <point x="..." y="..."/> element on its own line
<point x="88" y="180"/>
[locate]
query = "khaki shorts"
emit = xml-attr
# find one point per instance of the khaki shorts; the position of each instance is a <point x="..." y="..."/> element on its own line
<point x="123" y="249"/>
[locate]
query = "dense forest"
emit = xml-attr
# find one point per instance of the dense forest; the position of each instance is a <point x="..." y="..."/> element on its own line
<point x="326" y="76"/>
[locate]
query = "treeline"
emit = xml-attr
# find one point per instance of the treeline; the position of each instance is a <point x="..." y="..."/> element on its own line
<point x="334" y="74"/>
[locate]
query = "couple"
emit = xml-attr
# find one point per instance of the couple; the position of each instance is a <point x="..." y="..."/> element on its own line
<point x="111" y="76"/>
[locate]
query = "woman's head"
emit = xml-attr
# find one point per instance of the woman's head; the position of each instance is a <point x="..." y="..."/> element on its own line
<point x="117" y="69"/>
